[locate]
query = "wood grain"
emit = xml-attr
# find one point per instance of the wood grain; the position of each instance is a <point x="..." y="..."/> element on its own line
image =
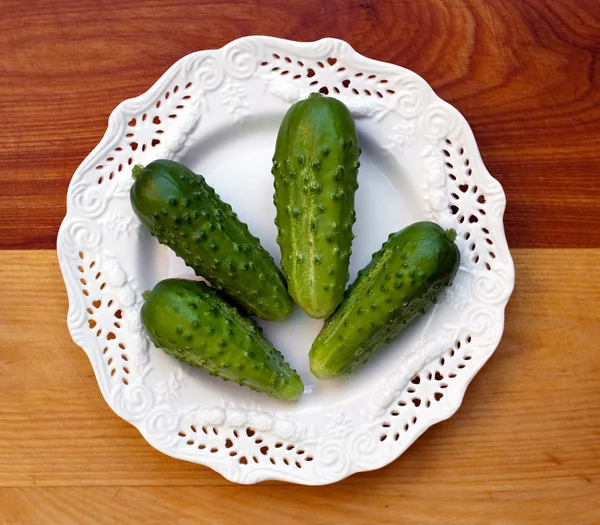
<point x="523" y="448"/>
<point x="525" y="445"/>
<point x="525" y="74"/>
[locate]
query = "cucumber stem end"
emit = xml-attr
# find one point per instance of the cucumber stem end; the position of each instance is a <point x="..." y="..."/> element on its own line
<point x="135" y="172"/>
<point x="450" y="234"/>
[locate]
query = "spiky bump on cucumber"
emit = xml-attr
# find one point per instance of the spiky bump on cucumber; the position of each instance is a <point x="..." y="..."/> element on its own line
<point x="189" y="321"/>
<point x="403" y="278"/>
<point x="184" y="213"/>
<point x="315" y="170"/>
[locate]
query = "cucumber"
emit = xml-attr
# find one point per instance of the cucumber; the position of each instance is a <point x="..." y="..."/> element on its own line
<point x="405" y="276"/>
<point x="315" y="169"/>
<point x="189" y="321"/>
<point x="183" y="212"/>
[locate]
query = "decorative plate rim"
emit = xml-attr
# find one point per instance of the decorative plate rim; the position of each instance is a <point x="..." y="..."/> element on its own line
<point x="239" y="60"/>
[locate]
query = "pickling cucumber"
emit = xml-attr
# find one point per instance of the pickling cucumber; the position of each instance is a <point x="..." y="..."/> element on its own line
<point x="403" y="278"/>
<point x="189" y="321"/>
<point x="315" y="170"/>
<point x="183" y="212"/>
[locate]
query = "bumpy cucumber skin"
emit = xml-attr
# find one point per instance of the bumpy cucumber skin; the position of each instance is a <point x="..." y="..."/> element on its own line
<point x="404" y="277"/>
<point x="189" y="321"/>
<point x="183" y="212"/>
<point x="315" y="168"/>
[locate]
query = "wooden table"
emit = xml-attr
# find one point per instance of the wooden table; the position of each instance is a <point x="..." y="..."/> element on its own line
<point x="524" y="447"/>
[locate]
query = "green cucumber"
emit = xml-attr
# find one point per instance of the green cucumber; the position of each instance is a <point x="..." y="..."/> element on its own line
<point x="315" y="169"/>
<point x="183" y="212"/>
<point x="189" y="321"/>
<point x="405" y="276"/>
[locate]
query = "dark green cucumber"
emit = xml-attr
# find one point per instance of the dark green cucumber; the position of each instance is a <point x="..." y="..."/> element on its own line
<point x="315" y="167"/>
<point x="405" y="276"/>
<point x="189" y="321"/>
<point x="183" y="212"/>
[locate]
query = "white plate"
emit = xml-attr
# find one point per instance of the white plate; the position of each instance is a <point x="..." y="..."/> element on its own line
<point x="218" y="113"/>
